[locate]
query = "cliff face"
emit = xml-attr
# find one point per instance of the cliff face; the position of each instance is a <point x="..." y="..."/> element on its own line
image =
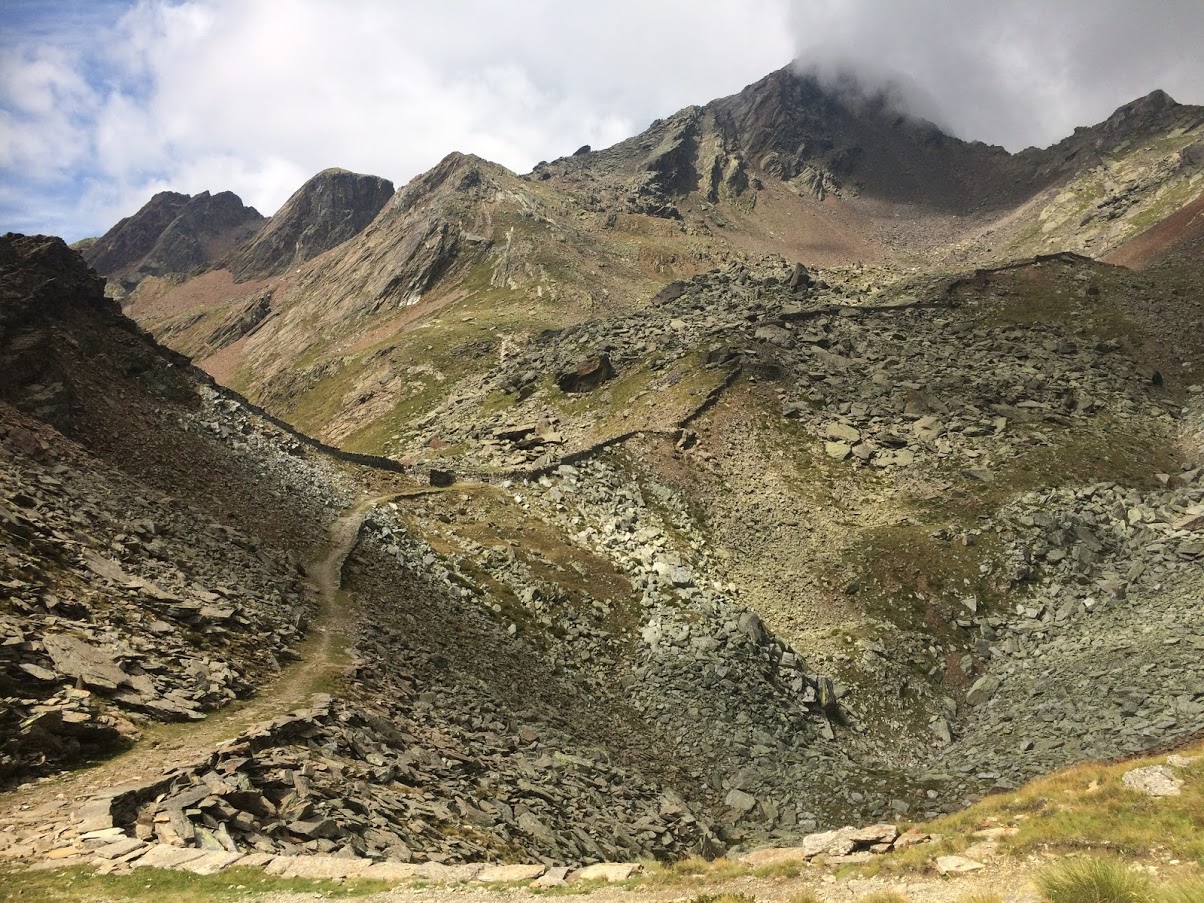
<point x="822" y="141"/>
<point x="174" y="234"/>
<point x="332" y="207"/>
<point x="122" y="249"/>
<point x="65" y="348"/>
<point x="204" y="232"/>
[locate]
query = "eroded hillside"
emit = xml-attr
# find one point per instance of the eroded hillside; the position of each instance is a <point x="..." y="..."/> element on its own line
<point x="392" y="317"/>
<point x="633" y="535"/>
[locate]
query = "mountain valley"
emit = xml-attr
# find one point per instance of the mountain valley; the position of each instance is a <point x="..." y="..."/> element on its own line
<point x="790" y="465"/>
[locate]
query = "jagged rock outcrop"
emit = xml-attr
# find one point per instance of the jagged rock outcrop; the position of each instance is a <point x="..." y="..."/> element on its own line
<point x="207" y="227"/>
<point x="121" y="250"/>
<point x="174" y="234"/>
<point x="822" y="139"/>
<point x="43" y="282"/>
<point x="330" y="208"/>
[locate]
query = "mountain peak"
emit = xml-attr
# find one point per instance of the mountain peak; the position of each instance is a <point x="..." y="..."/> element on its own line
<point x="173" y="233"/>
<point x="1143" y="113"/>
<point x="333" y="206"/>
<point x="1158" y="99"/>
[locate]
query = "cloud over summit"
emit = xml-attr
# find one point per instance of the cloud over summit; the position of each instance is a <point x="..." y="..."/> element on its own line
<point x="102" y="104"/>
<point x="1018" y="73"/>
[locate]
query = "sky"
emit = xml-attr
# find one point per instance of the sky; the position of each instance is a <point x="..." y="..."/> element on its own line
<point x="105" y="102"/>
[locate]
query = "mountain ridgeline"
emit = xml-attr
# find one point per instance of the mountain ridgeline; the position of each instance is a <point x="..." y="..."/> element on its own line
<point x="788" y="465"/>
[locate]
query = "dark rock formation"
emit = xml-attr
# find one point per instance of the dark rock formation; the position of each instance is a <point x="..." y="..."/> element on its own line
<point x="330" y="208"/>
<point x="122" y="249"/>
<point x="173" y="234"/>
<point x="207" y="227"/>
<point x="587" y="375"/>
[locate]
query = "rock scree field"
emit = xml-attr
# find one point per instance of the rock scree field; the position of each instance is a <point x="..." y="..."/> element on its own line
<point x="788" y="503"/>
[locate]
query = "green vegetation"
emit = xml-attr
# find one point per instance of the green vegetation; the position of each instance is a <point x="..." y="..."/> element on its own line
<point x="1068" y="212"/>
<point x="915" y="580"/>
<point x="1105" y="452"/>
<point x="1185" y="890"/>
<point x="1083" y="809"/>
<point x="1094" y="881"/>
<point x="642" y="398"/>
<point x="74" y="884"/>
<point x="692" y="870"/>
<point x="1171" y="197"/>
<point x="790" y="868"/>
<point x="1048" y="294"/>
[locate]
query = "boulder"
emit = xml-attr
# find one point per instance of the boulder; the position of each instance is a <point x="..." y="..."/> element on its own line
<point x="775" y="335"/>
<point x="956" y="865"/>
<point x="842" y="432"/>
<point x="497" y="874"/>
<point x="799" y="278"/>
<point x="92" y="665"/>
<point x="608" y="871"/>
<point x="838" y="451"/>
<point x="588" y="375"/>
<point x="983" y="689"/>
<point x="738" y="799"/>
<point x="1153" y="780"/>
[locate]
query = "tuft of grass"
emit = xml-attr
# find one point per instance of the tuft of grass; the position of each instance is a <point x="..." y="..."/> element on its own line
<point x="1094" y="881"/>
<point x="1187" y="890"/>
<point x="692" y="870"/>
<point x="886" y="896"/>
<point x="803" y="897"/>
<point x="1082" y="809"/>
<point x="981" y="898"/>
<point x="1087" y="807"/>
<point x="790" y="868"/>
<point x="724" y="898"/>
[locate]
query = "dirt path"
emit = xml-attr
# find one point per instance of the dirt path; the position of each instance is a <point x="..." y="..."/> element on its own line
<point x="322" y="654"/>
<point x="1004" y="881"/>
<point x="321" y="658"/>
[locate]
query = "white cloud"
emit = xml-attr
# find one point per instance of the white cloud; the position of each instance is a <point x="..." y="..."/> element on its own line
<point x="1015" y="73"/>
<point x="42" y="101"/>
<point x="254" y="96"/>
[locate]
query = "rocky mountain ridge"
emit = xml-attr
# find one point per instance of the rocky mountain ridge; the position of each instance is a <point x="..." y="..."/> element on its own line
<point x="662" y="542"/>
<point x="173" y="235"/>
<point x="787" y="167"/>
<point x="326" y="211"/>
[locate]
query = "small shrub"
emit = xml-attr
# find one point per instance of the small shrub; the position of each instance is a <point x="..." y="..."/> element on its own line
<point x="1094" y="881"/>
<point x="981" y="898"/>
<point x="888" y="896"/>
<point x="805" y="897"/>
